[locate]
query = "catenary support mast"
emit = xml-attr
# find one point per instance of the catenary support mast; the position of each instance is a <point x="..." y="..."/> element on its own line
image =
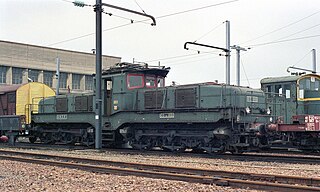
<point x="238" y="49"/>
<point x="98" y="100"/>
<point x="228" y="53"/>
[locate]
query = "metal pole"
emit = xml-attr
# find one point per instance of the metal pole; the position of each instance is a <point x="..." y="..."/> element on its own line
<point x="228" y="53"/>
<point x="238" y="67"/>
<point x="98" y="112"/>
<point x="238" y="49"/>
<point x="58" y="75"/>
<point x="314" y="62"/>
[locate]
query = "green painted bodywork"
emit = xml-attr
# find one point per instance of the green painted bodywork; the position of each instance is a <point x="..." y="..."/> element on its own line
<point x="48" y="114"/>
<point x="213" y="103"/>
<point x="292" y="95"/>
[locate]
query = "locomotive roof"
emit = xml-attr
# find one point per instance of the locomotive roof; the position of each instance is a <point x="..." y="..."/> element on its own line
<point x="137" y="68"/>
<point x="292" y="78"/>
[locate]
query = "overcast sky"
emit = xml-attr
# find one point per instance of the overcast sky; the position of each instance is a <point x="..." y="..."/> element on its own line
<point x="258" y="24"/>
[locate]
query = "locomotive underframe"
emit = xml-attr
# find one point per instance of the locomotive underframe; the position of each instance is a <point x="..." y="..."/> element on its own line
<point x="66" y="133"/>
<point x="213" y="137"/>
<point x="302" y="140"/>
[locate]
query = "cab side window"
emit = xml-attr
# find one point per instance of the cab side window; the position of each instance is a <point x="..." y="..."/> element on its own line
<point x="135" y="81"/>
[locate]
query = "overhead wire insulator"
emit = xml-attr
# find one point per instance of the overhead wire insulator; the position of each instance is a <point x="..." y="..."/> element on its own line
<point x="78" y="3"/>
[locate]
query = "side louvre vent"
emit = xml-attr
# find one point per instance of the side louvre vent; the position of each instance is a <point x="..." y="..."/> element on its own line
<point x="90" y="103"/>
<point x="153" y="99"/>
<point x="81" y="103"/>
<point x="61" y="105"/>
<point x="186" y="97"/>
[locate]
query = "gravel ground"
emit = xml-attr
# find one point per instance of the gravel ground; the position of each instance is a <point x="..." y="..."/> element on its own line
<point x="29" y="177"/>
<point x="16" y="176"/>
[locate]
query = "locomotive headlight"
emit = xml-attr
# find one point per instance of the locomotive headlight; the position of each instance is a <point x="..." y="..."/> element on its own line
<point x="268" y="111"/>
<point x="238" y="118"/>
<point x="248" y="110"/>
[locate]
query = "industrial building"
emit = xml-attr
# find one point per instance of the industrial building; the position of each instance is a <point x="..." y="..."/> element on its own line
<point x="23" y="63"/>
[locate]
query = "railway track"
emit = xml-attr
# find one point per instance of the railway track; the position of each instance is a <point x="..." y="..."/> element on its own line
<point x="225" y="178"/>
<point x="267" y="157"/>
<point x="270" y="157"/>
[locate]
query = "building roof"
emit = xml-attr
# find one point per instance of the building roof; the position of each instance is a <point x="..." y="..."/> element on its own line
<point x="9" y="88"/>
<point x="55" y="48"/>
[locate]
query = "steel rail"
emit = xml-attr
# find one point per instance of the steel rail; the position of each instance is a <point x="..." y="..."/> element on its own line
<point x="237" y="183"/>
<point x="208" y="176"/>
<point x="251" y="157"/>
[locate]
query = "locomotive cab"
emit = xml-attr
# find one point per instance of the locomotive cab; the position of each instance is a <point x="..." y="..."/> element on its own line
<point x="123" y="82"/>
<point x="292" y="95"/>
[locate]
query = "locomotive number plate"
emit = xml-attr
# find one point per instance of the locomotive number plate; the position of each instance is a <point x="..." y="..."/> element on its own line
<point x="166" y="115"/>
<point x="62" y="117"/>
<point x="252" y="99"/>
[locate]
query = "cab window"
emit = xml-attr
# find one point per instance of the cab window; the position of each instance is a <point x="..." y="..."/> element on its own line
<point x="151" y="82"/>
<point x="135" y="81"/>
<point x="311" y="83"/>
<point x="160" y="82"/>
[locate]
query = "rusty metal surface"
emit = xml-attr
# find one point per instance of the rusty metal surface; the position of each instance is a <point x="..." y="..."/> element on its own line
<point x="8" y="103"/>
<point x="309" y="123"/>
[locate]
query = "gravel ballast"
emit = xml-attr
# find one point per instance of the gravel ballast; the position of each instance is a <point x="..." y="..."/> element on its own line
<point x="16" y="176"/>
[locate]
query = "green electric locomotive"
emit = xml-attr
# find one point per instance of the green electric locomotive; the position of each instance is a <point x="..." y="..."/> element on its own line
<point x="139" y="111"/>
<point x="295" y="101"/>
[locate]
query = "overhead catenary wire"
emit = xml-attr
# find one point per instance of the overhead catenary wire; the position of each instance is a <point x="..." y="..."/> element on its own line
<point x="244" y="71"/>
<point x="282" y="41"/>
<point x="189" y="61"/>
<point x="301" y="59"/>
<point x="299" y="32"/>
<point x="141" y="21"/>
<point x="172" y="57"/>
<point x="178" y="58"/>
<point x="139" y="6"/>
<point x="210" y="31"/>
<point x="278" y="29"/>
<point x="128" y="19"/>
<point x="193" y="55"/>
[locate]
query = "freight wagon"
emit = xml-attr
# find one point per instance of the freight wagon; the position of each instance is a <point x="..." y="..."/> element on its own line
<point x="16" y="103"/>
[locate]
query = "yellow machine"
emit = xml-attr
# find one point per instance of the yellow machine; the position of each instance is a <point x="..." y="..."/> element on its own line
<point x="28" y="97"/>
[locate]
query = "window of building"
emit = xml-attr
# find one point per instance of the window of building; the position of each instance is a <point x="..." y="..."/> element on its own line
<point x="88" y="82"/>
<point x="63" y="80"/>
<point x="3" y="73"/>
<point x="33" y="75"/>
<point x="135" y="81"/>
<point x="47" y="78"/>
<point x="17" y="74"/>
<point x="76" y="81"/>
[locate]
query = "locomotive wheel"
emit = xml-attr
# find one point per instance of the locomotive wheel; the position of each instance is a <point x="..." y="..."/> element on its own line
<point x="67" y="138"/>
<point x="47" y="138"/>
<point x="237" y="151"/>
<point x="197" y="150"/>
<point x="32" y="139"/>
